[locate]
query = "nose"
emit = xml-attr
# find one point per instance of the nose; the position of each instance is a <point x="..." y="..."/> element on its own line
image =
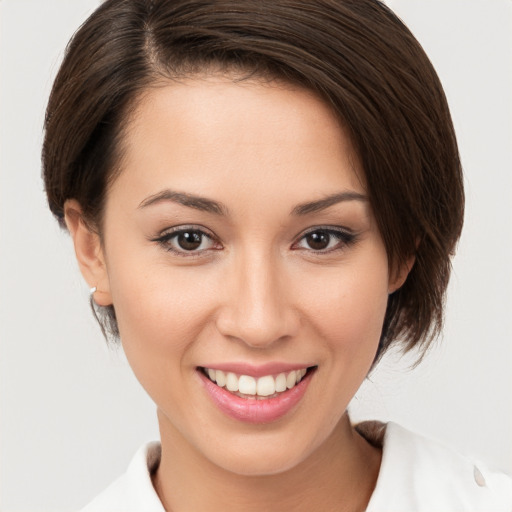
<point x="257" y="309"/>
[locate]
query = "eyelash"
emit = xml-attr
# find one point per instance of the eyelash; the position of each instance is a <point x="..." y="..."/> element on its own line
<point x="344" y="237"/>
<point x="165" y="240"/>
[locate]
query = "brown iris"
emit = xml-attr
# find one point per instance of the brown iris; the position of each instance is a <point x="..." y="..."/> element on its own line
<point x="318" y="240"/>
<point x="189" y="240"/>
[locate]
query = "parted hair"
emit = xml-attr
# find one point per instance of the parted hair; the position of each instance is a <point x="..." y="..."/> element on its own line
<point x="356" y="55"/>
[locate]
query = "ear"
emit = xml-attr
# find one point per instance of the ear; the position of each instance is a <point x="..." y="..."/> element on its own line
<point x="399" y="275"/>
<point x="89" y="252"/>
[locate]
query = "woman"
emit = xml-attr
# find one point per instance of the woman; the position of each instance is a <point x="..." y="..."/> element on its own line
<point x="264" y="198"/>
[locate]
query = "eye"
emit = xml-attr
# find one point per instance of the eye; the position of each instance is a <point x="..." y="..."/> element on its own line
<point x="325" y="240"/>
<point x="185" y="240"/>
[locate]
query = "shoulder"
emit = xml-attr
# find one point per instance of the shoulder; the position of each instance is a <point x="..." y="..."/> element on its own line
<point x="133" y="491"/>
<point x="423" y="475"/>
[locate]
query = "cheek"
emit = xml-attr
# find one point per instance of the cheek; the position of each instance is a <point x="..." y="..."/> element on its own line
<point x="153" y="300"/>
<point x="348" y="309"/>
<point x="162" y="308"/>
<point x="160" y="316"/>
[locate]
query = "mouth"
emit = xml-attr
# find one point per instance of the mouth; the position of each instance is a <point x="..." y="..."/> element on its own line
<point x="257" y="388"/>
<point x="256" y="395"/>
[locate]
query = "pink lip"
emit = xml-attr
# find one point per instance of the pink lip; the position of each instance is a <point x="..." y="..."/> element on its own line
<point x="252" y="410"/>
<point x="257" y="370"/>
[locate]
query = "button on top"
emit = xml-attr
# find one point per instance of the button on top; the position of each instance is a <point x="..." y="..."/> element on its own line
<point x="479" y="478"/>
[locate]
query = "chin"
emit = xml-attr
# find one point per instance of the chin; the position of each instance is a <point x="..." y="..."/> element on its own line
<point x="264" y="454"/>
<point x="259" y="464"/>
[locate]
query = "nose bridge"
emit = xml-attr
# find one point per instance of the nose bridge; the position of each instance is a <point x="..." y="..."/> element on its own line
<point x="258" y="311"/>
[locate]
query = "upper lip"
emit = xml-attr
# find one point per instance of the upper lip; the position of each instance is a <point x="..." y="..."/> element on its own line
<point x="260" y="370"/>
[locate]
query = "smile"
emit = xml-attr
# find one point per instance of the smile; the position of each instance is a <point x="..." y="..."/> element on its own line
<point x="246" y="386"/>
<point x="262" y="398"/>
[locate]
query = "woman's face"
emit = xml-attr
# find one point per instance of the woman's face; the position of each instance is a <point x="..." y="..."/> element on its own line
<point x="240" y="246"/>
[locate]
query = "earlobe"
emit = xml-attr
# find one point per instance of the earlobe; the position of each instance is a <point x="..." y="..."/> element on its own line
<point x="89" y="252"/>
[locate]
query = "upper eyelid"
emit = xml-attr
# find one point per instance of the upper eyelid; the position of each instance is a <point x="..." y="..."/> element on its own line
<point x="185" y="227"/>
<point x="328" y="228"/>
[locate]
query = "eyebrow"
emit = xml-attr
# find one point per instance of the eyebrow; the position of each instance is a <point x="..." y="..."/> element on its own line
<point x="190" y="200"/>
<point x="210" y="206"/>
<point x="326" y="202"/>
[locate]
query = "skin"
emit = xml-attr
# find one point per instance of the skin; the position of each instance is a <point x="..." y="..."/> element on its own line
<point x="256" y="292"/>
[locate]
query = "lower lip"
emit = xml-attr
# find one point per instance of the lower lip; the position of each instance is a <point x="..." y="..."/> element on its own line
<point x="251" y="410"/>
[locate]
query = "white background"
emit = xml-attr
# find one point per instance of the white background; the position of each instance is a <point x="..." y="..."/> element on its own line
<point x="72" y="414"/>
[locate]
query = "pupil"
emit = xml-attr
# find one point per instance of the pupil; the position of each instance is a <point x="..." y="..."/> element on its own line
<point x="318" y="240"/>
<point x="189" y="240"/>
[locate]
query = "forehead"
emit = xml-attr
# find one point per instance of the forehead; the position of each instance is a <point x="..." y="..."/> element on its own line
<point x="201" y="132"/>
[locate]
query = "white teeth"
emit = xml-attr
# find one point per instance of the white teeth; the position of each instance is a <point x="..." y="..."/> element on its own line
<point x="291" y="380"/>
<point x="247" y="385"/>
<point x="264" y="386"/>
<point x="220" y="378"/>
<point x="231" y="382"/>
<point x="300" y="374"/>
<point x="281" y="383"/>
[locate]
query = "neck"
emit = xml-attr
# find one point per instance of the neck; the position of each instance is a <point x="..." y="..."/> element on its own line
<point x="340" y="475"/>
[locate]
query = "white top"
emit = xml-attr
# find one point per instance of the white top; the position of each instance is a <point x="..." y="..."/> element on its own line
<point x="416" y="475"/>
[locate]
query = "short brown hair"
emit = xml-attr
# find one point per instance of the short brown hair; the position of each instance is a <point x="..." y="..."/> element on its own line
<point x="355" y="54"/>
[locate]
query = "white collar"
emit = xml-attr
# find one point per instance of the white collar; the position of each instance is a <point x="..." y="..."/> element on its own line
<point x="421" y="475"/>
<point x="416" y="475"/>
